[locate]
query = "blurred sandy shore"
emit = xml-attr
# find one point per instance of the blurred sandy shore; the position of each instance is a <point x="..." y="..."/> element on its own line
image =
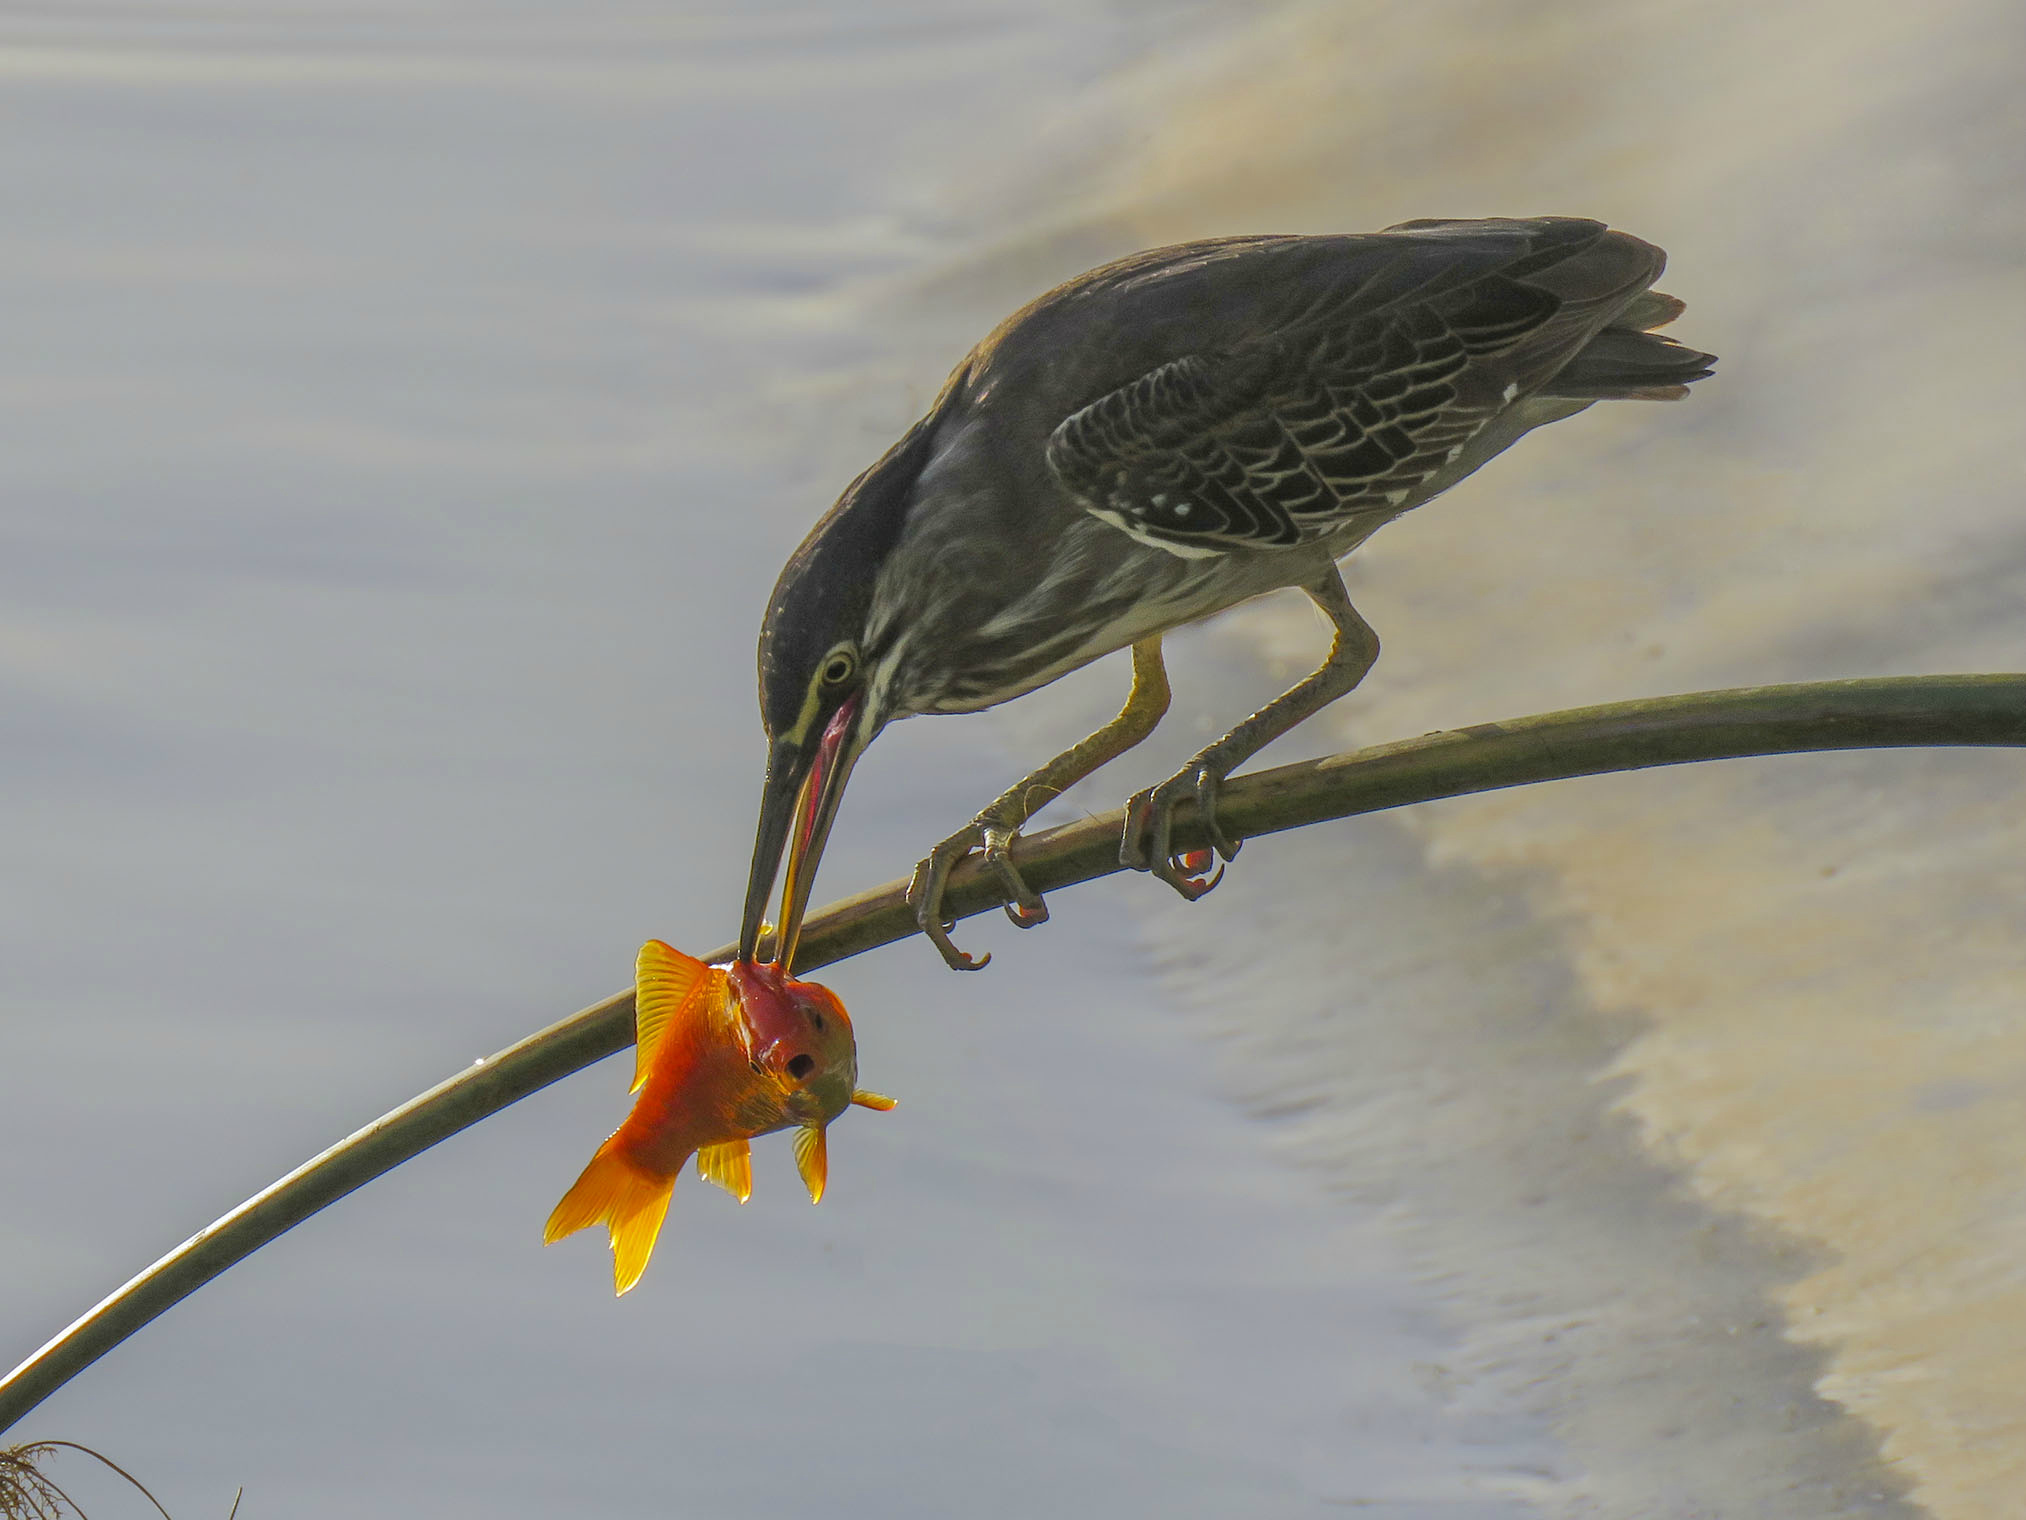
<point x="1698" y="1092"/>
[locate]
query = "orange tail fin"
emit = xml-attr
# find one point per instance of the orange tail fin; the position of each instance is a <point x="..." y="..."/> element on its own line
<point x="625" y="1197"/>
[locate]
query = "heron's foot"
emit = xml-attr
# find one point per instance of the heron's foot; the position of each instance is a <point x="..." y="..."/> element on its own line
<point x="932" y="878"/>
<point x="1150" y="824"/>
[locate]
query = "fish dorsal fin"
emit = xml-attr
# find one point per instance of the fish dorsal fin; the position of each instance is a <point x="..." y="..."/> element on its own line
<point x="729" y="1165"/>
<point x="664" y="980"/>
<point x="812" y="1159"/>
<point x="866" y="1099"/>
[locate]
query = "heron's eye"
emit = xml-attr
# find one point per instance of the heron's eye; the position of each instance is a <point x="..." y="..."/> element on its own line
<point x="839" y="667"/>
<point x="800" y="1066"/>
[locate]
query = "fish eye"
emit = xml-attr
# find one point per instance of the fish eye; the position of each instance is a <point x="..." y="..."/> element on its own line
<point x="839" y="667"/>
<point x="815" y="1021"/>
<point x="800" y="1066"/>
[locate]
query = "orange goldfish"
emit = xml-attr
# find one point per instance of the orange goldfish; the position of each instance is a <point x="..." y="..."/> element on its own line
<point x="723" y="1053"/>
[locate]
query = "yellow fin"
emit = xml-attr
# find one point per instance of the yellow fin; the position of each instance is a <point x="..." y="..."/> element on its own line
<point x="866" y="1099"/>
<point x="628" y="1199"/>
<point x="812" y="1159"/>
<point x="664" y="979"/>
<point x="729" y="1165"/>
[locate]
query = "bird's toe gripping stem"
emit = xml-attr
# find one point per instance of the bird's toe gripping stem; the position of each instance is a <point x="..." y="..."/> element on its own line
<point x="1150" y="824"/>
<point x="925" y="891"/>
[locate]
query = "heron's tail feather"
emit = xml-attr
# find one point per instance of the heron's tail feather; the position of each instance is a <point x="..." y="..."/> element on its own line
<point x="1627" y="364"/>
<point x="1648" y="310"/>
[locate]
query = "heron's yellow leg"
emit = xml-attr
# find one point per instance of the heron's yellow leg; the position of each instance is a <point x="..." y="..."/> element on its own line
<point x="998" y="823"/>
<point x="1353" y="651"/>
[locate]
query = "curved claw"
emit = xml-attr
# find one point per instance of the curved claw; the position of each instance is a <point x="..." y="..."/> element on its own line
<point x="932" y="878"/>
<point x="1150" y="824"/>
<point x="1191" y="884"/>
<point x="1023" y="904"/>
<point x="1207" y="786"/>
<point x="925" y="895"/>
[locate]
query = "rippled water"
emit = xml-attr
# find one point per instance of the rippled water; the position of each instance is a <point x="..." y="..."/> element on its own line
<point x="407" y="411"/>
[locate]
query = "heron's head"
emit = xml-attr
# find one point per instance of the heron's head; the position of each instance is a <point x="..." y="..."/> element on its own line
<point x="825" y="683"/>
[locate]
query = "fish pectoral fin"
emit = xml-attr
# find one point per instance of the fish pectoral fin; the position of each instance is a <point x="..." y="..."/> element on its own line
<point x="866" y="1099"/>
<point x="812" y="1159"/>
<point x="729" y="1165"/>
<point x="628" y="1199"/>
<point x="664" y="980"/>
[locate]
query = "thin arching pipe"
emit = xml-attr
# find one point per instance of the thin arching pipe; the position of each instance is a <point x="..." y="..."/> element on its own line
<point x="1714" y="725"/>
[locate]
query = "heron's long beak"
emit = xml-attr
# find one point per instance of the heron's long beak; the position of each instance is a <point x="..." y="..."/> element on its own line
<point x="796" y="811"/>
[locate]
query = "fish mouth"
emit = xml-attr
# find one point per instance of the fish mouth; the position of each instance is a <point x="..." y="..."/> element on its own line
<point x="797" y="808"/>
<point x="766" y="1010"/>
<point x="785" y="1037"/>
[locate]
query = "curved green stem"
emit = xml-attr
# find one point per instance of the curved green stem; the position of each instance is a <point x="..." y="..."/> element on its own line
<point x="1715" y="725"/>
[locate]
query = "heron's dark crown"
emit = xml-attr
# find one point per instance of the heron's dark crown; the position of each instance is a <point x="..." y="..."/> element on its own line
<point x="825" y="591"/>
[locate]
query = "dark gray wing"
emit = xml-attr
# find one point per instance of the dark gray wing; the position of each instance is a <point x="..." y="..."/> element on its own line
<point x="1283" y="439"/>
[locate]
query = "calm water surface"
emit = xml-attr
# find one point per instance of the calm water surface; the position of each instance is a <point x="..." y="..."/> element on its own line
<point x="407" y="410"/>
<point x="407" y="413"/>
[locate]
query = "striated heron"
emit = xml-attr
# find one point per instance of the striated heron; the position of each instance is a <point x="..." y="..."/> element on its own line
<point x="1148" y="444"/>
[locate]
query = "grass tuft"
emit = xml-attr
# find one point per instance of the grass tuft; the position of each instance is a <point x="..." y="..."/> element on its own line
<point x="29" y="1493"/>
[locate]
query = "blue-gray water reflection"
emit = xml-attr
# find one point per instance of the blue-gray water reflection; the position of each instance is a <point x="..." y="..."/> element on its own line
<point x="406" y="419"/>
